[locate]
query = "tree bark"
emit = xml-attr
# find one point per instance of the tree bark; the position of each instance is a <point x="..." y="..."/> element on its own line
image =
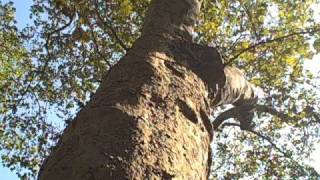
<point x="149" y="117"/>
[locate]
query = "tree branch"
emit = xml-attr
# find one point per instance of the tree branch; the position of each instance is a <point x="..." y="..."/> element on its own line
<point x="106" y="25"/>
<point x="230" y="113"/>
<point x="62" y="27"/>
<point x="309" y="31"/>
<point x="285" y="117"/>
<point x="272" y="111"/>
<point x="239" y="92"/>
<point x="268" y="139"/>
<point x="96" y="47"/>
<point x="235" y="112"/>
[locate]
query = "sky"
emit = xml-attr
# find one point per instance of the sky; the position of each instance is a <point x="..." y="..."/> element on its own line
<point x="22" y="14"/>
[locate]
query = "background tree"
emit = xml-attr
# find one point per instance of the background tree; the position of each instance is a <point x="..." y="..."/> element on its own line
<point x="23" y="129"/>
<point x="74" y="43"/>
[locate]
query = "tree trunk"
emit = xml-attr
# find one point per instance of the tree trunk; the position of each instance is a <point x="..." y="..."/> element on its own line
<point x="149" y="118"/>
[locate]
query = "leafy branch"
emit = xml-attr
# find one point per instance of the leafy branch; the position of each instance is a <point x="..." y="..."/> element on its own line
<point x="271" y="40"/>
<point x="71" y="18"/>
<point x="284" y="116"/>
<point x="268" y="139"/>
<point x="106" y="25"/>
<point x="96" y="46"/>
<point x="235" y="111"/>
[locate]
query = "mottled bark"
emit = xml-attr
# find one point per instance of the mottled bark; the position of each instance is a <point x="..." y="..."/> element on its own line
<point x="242" y="94"/>
<point x="149" y="118"/>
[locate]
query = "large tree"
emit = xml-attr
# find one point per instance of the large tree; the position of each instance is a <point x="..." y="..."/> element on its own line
<point x="150" y="116"/>
<point x="151" y="110"/>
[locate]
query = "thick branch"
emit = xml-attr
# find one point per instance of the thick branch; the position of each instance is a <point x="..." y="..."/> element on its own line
<point x="239" y="92"/>
<point x="236" y="111"/>
<point x="242" y="94"/>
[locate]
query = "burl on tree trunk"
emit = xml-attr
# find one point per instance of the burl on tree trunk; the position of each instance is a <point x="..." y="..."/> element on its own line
<point x="149" y="118"/>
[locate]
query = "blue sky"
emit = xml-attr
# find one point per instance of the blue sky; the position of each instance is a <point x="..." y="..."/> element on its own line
<point x="22" y="14"/>
<point x="22" y="11"/>
<point x="6" y="174"/>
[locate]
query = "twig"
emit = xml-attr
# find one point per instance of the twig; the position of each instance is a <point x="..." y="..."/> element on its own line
<point x="268" y="139"/>
<point x="96" y="47"/>
<point x="61" y="28"/>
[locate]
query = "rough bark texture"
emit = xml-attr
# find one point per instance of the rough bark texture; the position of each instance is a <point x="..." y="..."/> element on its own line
<point x="149" y="118"/>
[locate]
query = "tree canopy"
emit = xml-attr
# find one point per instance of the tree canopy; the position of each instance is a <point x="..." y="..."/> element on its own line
<point x="50" y="69"/>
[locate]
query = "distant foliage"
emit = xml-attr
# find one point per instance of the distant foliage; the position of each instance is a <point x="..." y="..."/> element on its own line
<point x="50" y="69"/>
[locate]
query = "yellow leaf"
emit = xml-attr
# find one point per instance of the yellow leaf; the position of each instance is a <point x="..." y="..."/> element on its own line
<point x="291" y="61"/>
<point x="245" y="44"/>
<point x="82" y="20"/>
<point x="125" y="8"/>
